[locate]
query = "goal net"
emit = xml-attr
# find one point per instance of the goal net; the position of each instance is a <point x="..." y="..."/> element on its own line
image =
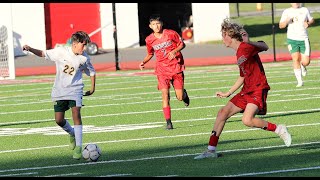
<point x="7" y="67"/>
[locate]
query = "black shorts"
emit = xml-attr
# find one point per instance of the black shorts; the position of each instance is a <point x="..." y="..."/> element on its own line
<point x="64" y="105"/>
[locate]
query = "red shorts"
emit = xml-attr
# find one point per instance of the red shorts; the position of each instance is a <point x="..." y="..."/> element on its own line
<point x="177" y="81"/>
<point x="258" y="98"/>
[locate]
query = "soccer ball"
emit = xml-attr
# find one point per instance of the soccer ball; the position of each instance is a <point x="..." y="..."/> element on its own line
<point x="91" y="152"/>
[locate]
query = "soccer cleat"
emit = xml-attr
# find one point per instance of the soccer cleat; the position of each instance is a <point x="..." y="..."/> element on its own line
<point x="77" y="153"/>
<point x="72" y="144"/>
<point x="169" y="125"/>
<point x="299" y="84"/>
<point x="207" y="154"/>
<point x="186" y="100"/>
<point x="282" y="131"/>
<point x="303" y="70"/>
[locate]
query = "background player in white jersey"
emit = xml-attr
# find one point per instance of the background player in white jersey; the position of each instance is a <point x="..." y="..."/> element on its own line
<point x="68" y="87"/>
<point x="298" y="19"/>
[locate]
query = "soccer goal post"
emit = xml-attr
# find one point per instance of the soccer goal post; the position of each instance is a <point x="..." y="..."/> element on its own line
<point x="7" y="66"/>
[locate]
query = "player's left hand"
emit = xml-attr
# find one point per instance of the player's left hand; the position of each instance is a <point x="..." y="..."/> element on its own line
<point x="88" y="93"/>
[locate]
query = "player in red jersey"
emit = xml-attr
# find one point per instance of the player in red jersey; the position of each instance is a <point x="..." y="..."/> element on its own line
<point x="251" y="100"/>
<point x="166" y="44"/>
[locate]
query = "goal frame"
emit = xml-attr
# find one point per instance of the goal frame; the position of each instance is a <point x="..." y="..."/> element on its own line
<point x="6" y="11"/>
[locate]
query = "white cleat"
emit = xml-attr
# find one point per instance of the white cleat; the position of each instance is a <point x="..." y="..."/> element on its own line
<point x="282" y="131"/>
<point x="303" y="70"/>
<point x="207" y="154"/>
<point x="299" y="84"/>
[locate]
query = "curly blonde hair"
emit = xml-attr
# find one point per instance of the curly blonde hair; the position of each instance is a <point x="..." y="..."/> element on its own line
<point x="233" y="29"/>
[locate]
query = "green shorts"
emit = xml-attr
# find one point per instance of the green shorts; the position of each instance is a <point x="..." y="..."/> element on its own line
<point x="63" y="105"/>
<point x="299" y="46"/>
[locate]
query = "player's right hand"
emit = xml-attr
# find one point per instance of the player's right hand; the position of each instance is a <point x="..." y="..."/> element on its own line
<point x="245" y="36"/>
<point x="26" y="48"/>
<point x="141" y="66"/>
<point x="220" y="94"/>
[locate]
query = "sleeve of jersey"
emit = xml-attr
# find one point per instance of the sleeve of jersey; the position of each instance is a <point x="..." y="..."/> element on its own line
<point x="89" y="70"/>
<point x="149" y="47"/>
<point x="176" y="38"/>
<point x="52" y="54"/>
<point x="309" y="17"/>
<point x="284" y="16"/>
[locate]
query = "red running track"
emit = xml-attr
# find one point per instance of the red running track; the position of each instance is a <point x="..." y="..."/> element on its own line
<point x="134" y="65"/>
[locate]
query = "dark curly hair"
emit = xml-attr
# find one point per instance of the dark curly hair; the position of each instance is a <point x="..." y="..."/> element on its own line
<point x="80" y="36"/>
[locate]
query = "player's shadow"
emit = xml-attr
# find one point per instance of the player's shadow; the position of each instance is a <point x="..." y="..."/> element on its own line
<point x="308" y="147"/>
<point x="280" y="115"/>
<point x="290" y="114"/>
<point x="243" y="140"/>
<point x="206" y="123"/>
<point x="24" y="123"/>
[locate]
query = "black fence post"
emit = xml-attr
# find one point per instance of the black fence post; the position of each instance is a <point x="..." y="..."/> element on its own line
<point x="273" y="33"/>
<point x="115" y="36"/>
<point x="238" y="14"/>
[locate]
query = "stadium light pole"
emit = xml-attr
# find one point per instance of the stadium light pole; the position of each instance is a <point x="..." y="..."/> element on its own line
<point x="273" y="33"/>
<point x="115" y="36"/>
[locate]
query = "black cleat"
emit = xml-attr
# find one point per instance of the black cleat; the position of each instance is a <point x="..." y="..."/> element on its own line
<point x="169" y="125"/>
<point x="186" y="100"/>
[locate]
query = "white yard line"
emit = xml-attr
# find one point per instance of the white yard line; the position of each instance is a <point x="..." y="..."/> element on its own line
<point x="172" y="156"/>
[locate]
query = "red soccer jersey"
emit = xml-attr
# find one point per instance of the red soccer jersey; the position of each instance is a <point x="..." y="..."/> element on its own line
<point x="251" y="68"/>
<point x="169" y="40"/>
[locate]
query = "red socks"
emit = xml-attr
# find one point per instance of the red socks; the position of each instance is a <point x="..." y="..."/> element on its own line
<point x="167" y="112"/>
<point x="271" y="127"/>
<point x="213" y="139"/>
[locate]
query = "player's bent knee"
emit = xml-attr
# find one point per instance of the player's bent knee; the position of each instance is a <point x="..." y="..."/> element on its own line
<point x="247" y="122"/>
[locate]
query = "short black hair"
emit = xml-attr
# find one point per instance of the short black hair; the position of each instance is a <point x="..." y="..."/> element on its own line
<point x="155" y="17"/>
<point x="80" y="36"/>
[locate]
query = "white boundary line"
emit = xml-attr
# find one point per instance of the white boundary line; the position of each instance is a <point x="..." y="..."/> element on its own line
<point x="172" y="156"/>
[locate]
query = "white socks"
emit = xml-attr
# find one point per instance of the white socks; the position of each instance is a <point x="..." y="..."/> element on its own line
<point x="68" y="128"/>
<point x="211" y="148"/>
<point x="78" y="135"/>
<point x="297" y="73"/>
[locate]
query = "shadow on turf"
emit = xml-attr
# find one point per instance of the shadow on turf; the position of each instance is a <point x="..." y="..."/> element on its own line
<point x="263" y="117"/>
<point x="259" y="30"/>
<point x="238" y="140"/>
<point x="280" y="115"/>
<point x="23" y="123"/>
<point x="309" y="147"/>
<point x="289" y="114"/>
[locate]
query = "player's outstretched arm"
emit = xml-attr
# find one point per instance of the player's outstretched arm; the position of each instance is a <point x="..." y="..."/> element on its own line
<point x="37" y="52"/>
<point x="234" y="88"/>
<point x="259" y="44"/>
